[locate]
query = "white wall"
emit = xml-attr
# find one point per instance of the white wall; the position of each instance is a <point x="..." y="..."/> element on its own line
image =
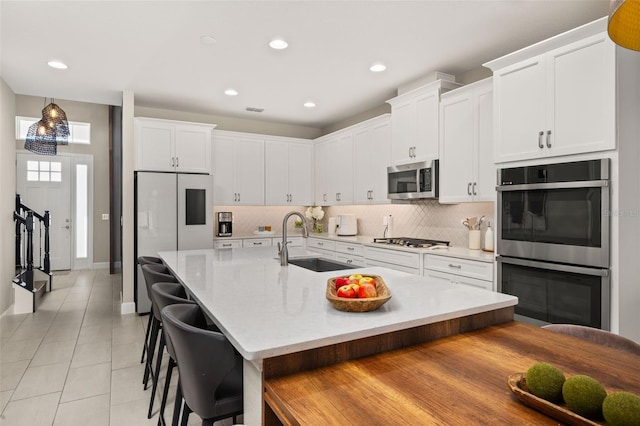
<point x="232" y="123"/>
<point x="7" y="193"/>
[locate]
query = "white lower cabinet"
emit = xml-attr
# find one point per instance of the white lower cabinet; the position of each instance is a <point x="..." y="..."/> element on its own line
<point x="393" y="259"/>
<point x="460" y="271"/>
<point x="227" y="244"/>
<point x="256" y="242"/>
<point x="350" y="253"/>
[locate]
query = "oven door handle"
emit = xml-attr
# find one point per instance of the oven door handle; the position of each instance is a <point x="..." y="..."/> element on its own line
<point x="554" y="185"/>
<point x="554" y="266"/>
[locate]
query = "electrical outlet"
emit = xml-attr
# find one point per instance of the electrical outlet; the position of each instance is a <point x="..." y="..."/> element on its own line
<point x="105" y="216"/>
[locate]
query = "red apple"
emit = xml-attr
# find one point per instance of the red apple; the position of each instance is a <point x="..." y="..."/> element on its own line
<point x="355" y="286"/>
<point x="346" y="291"/>
<point x="340" y="281"/>
<point x="367" y="290"/>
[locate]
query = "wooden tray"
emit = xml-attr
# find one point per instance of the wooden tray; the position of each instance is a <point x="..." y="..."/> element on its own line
<point x="518" y="385"/>
<point x="358" y="305"/>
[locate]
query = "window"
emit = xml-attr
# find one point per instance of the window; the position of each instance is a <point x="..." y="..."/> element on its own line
<point x="82" y="214"/>
<point x="44" y="171"/>
<point x="78" y="132"/>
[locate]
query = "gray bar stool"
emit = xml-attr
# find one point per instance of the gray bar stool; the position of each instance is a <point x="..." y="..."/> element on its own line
<point x="147" y="260"/>
<point x="165" y="294"/>
<point x="153" y="273"/>
<point x="210" y="368"/>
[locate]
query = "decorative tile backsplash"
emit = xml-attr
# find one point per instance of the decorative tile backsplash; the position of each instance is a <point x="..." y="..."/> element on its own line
<point x="420" y="219"/>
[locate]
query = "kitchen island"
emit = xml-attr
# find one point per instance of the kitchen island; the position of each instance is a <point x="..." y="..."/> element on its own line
<point x="281" y="323"/>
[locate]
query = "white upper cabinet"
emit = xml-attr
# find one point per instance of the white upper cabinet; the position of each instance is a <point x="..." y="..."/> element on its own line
<point x="372" y="143"/>
<point x="467" y="171"/>
<point x="415" y="122"/>
<point x="172" y="146"/>
<point x="238" y="169"/>
<point x="340" y="169"/>
<point x="558" y="101"/>
<point x="321" y="160"/>
<point x="289" y="172"/>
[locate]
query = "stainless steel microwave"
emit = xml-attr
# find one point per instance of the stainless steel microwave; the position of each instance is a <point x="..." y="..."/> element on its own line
<point x="413" y="181"/>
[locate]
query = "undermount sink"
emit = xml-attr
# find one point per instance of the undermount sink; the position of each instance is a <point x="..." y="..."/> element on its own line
<point x="319" y="265"/>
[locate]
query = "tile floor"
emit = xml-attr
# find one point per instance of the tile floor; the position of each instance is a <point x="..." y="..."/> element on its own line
<point x="76" y="360"/>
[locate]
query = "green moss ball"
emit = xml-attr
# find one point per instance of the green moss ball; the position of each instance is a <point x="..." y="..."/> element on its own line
<point x="621" y="409"/>
<point x="545" y="381"/>
<point x="584" y="396"/>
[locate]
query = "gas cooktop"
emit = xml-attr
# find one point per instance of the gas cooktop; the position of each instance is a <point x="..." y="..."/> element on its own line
<point x="411" y="242"/>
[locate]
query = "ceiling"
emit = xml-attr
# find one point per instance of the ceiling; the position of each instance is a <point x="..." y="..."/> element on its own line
<point x="154" y="49"/>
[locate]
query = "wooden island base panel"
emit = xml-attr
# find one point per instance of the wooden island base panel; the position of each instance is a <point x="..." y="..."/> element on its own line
<point x="456" y="380"/>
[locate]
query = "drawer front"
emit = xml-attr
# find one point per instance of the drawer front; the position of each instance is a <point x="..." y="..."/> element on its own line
<point x="292" y="241"/>
<point x="321" y="244"/>
<point x="397" y="257"/>
<point x="458" y="279"/>
<point x="227" y="244"/>
<point x="350" y="249"/>
<point x="465" y="267"/>
<point x="351" y="260"/>
<point x="371" y="262"/>
<point x="325" y="254"/>
<point x="474" y="282"/>
<point x="256" y="242"/>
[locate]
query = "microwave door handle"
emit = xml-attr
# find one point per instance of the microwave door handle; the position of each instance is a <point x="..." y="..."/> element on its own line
<point x="554" y="185"/>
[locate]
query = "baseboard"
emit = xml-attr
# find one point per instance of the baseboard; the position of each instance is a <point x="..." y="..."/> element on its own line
<point x="101" y="265"/>
<point x="127" y="308"/>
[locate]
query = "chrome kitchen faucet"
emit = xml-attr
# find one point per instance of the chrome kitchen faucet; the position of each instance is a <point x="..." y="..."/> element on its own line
<point x="282" y="248"/>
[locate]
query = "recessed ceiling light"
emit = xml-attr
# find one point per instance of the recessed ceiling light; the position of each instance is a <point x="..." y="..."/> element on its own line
<point x="231" y="92"/>
<point x="57" y="65"/>
<point x="378" y="67"/>
<point x="310" y="104"/>
<point x="207" y="39"/>
<point x="278" y="44"/>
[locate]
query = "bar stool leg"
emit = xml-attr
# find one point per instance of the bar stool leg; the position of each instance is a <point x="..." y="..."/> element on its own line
<point x="156" y="376"/>
<point x="148" y="371"/>
<point x="146" y="338"/>
<point x="177" y="407"/>
<point x="165" y="392"/>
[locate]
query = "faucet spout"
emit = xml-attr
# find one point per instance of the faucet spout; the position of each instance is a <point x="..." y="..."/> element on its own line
<point x="283" y="252"/>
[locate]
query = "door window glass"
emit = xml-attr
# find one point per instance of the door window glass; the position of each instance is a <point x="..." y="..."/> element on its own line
<point x="44" y="171"/>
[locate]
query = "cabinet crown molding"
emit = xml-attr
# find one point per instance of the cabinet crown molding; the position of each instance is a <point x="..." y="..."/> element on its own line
<point x="590" y="29"/>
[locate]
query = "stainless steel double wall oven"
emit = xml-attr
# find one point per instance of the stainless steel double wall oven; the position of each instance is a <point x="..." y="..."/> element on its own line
<point x="553" y="241"/>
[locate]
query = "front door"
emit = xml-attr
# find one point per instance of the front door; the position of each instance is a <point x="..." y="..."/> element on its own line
<point x="44" y="183"/>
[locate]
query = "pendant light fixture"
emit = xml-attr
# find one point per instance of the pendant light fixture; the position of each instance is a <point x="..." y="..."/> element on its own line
<point x="44" y="136"/>
<point x="56" y="118"/>
<point x="41" y="139"/>
<point x="624" y="23"/>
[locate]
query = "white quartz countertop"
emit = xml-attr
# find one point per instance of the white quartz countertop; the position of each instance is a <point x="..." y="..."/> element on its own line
<point x="268" y="310"/>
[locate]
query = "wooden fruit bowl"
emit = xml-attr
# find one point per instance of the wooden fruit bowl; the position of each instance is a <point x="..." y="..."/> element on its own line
<point x="358" y="305"/>
<point x="518" y="385"/>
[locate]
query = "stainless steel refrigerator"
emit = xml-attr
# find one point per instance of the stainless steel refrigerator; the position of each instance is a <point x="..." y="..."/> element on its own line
<point x="174" y="211"/>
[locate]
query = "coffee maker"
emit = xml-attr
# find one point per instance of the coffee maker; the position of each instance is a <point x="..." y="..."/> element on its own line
<point x="225" y="219"/>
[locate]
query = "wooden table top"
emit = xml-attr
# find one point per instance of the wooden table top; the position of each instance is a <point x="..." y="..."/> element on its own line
<point x="458" y="380"/>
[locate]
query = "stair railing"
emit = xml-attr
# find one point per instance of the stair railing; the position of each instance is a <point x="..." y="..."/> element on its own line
<point x="25" y="222"/>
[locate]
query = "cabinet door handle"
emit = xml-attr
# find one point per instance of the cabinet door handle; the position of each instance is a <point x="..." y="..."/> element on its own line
<point x="238" y="197"/>
<point x="173" y="161"/>
<point x="451" y="265"/>
<point x="540" y="139"/>
<point x="350" y="248"/>
<point x="227" y="245"/>
<point x="320" y="244"/>
<point x="324" y="197"/>
<point x="235" y="197"/>
<point x="469" y="188"/>
<point x="474" y="188"/>
<point x="257" y="244"/>
<point x="548" y="138"/>
<point x="177" y="161"/>
<point x="410" y="148"/>
<point x="350" y="261"/>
